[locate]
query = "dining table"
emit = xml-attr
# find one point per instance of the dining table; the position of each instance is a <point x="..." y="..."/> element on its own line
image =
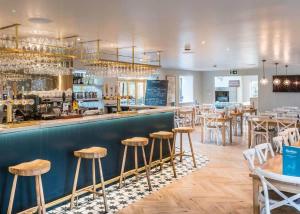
<point x="274" y="165"/>
<point x="224" y="120"/>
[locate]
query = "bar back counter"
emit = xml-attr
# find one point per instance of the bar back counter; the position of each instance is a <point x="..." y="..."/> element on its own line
<point x="57" y="140"/>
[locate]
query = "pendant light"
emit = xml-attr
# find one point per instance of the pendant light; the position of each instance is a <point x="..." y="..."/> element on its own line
<point x="276" y="81"/>
<point x="264" y="80"/>
<point x="286" y="82"/>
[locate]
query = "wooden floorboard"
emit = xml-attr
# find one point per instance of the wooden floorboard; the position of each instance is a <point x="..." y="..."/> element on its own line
<point x="223" y="186"/>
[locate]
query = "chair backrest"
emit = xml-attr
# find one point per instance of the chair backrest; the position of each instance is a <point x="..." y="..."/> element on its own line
<point x="250" y="155"/>
<point x="293" y="135"/>
<point x="264" y="150"/>
<point x="211" y="119"/>
<point x="267" y="180"/>
<point x="278" y="142"/>
<point x="285" y="136"/>
<point x="259" y="123"/>
<point x="285" y="123"/>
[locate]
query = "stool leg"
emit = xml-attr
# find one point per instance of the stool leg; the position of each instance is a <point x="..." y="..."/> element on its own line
<point x="192" y="150"/>
<point x="160" y="154"/>
<point x="146" y="168"/>
<point x="123" y="166"/>
<point x="103" y="185"/>
<point x="75" y="183"/>
<point x="174" y="143"/>
<point x="38" y="193"/>
<point x="136" y="164"/>
<point x="12" y="195"/>
<point x="181" y="147"/>
<point x="151" y="154"/>
<point x="42" y="195"/>
<point x="94" y="178"/>
<point x="172" y="159"/>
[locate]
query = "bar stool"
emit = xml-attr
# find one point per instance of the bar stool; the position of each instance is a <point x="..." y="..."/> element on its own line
<point x="135" y="142"/>
<point x="90" y="153"/>
<point x="33" y="168"/>
<point x="181" y="131"/>
<point x="162" y="135"/>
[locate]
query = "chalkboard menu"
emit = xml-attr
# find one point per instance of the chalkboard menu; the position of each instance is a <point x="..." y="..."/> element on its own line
<point x="156" y="93"/>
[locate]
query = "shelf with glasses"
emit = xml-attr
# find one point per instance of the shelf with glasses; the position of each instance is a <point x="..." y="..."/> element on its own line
<point x="89" y="99"/>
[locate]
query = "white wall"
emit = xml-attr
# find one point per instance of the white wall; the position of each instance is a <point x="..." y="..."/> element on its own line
<point x="197" y="81"/>
<point x="267" y="100"/>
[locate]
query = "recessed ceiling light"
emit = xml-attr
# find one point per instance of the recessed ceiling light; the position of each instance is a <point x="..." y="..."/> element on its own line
<point x="13" y="11"/>
<point x="78" y="38"/>
<point x="39" y="20"/>
<point x="203" y="42"/>
<point x="227" y="49"/>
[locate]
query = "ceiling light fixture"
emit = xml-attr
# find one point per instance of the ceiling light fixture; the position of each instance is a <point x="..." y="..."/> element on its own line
<point x="203" y="42"/>
<point x="276" y="81"/>
<point x="227" y="49"/>
<point x="39" y="20"/>
<point x="13" y="11"/>
<point x="263" y="80"/>
<point x="286" y="82"/>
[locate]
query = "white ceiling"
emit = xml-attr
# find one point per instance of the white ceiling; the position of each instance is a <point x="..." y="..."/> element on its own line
<point x="237" y="33"/>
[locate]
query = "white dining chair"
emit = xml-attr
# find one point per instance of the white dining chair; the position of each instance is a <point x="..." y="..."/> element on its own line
<point x="285" y="123"/>
<point x="279" y="142"/>
<point x="264" y="151"/>
<point x="293" y="135"/>
<point x="250" y="156"/>
<point x="267" y="180"/>
<point x="285" y="136"/>
<point x="211" y="126"/>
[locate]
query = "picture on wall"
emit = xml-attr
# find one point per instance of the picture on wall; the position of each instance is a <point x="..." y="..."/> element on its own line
<point x="286" y="83"/>
<point x="171" y="90"/>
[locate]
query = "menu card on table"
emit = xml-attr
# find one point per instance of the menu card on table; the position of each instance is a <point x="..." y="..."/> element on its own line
<point x="291" y="161"/>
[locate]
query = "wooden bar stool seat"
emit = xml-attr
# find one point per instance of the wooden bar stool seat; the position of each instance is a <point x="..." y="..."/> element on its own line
<point x="90" y="153"/>
<point x="135" y="142"/>
<point x="181" y="131"/>
<point x="33" y="168"/>
<point x="162" y="135"/>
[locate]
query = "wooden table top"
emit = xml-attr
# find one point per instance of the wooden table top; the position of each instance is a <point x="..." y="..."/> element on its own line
<point x="219" y="119"/>
<point x="272" y="120"/>
<point x="275" y="164"/>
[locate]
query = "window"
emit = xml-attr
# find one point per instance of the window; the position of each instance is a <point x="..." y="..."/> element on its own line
<point x="135" y="89"/>
<point x="254" y="89"/>
<point x="186" y="89"/>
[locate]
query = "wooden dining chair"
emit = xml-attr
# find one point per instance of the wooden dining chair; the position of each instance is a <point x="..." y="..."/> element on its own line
<point x="267" y="180"/>
<point x="285" y="123"/>
<point x="264" y="151"/>
<point x="259" y="128"/>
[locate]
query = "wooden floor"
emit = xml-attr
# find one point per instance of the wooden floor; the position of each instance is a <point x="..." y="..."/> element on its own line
<point x="223" y="186"/>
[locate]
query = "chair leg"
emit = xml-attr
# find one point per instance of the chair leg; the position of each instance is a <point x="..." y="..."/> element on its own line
<point x="38" y="194"/>
<point x="42" y="195"/>
<point x="94" y="178"/>
<point x="160" y="154"/>
<point x="151" y="154"/>
<point x="136" y="164"/>
<point x="123" y="166"/>
<point x="192" y="150"/>
<point x="103" y="185"/>
<point x="172" y="158"/>
<point x="146" y="168"/>
<point x="75" y="183"/>
<point x="12" y="195"/>
<point x="181" y="147"/>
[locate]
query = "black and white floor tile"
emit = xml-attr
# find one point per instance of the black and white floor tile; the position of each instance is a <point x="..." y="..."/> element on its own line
<point x="132" y="190"/>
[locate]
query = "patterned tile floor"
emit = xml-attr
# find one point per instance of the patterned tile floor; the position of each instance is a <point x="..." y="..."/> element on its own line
<point x="133" y="190"/>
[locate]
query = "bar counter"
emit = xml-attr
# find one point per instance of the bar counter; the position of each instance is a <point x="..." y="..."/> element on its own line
<point x="56" y="141"/>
